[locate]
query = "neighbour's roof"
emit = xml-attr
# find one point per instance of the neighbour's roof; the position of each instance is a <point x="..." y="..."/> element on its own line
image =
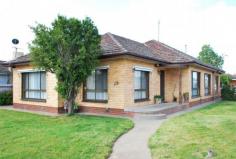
<point x="3" y="68"/>
<point x="114" y="45"/>
<point x="233" y="77"/>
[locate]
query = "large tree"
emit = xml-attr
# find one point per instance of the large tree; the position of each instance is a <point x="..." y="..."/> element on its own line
<point x="69" y="48"/>
<point x="209" y="56"/>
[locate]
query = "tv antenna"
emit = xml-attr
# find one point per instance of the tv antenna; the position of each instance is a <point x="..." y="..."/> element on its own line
<point x="15" y="42"/>
<point x="158" y="36"/>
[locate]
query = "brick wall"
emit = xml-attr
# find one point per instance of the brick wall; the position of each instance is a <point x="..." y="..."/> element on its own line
<point x="121" y="83"/>
<point x="233" y="83"/>
<point x="52" y="95"/>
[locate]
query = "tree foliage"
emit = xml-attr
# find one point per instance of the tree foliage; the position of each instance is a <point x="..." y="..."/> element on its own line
<point x="209" y="56"/>
<point x="225" y="79"/>
<point x="69" y="48"/>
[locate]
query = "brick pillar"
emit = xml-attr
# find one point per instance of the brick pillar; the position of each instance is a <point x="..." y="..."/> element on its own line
<point x="180" y="86"/>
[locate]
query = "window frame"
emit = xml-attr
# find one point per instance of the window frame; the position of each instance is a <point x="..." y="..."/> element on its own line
<point x="23" y="90"/>
<point x="198" y="84"/>
<point x="209" y="84"/>
<point x="147" y="86"/>
<point x="95" y="90"/>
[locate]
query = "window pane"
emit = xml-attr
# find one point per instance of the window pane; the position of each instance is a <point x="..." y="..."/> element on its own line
<point x="90" y="95"/>
<point x="34" y="81"/>
<point x="194" y="76"/>
<point x="137" y="95"/>
<point x="137" y="80"/>
<point x="143" y="80"/>
<point x="43" y="95"/>
<point x="195" y="84"/>
<point x="101" y="95"/>
<point x="101" y="79"/>
<point x="34" y="94"/>
<point x="4" y="79"/>
<point x="90" y="84"/>
<point x="144" y="94"/>
<point x="43" y="81"/>
<point x="194" y="92"/>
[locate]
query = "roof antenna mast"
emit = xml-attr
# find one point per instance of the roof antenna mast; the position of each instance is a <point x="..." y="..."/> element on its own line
<point x="158" y="37"/>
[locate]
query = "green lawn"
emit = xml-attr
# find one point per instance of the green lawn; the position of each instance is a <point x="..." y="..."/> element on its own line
<point x="191" y="135"/>
<point x="24" y="135"/>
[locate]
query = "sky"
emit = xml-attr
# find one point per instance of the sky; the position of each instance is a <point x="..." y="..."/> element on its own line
<point x="182" y="22"/>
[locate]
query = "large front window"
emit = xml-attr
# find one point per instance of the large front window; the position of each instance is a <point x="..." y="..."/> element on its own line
<point x="195" y="84"/>
<point x="141" y="85"/>
<point x="207" y="84"/>
<point x="34" y="85"/>
<point x="95" y="88"/>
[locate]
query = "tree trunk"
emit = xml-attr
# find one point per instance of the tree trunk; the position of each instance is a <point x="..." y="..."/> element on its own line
<point x="70" y="102"/>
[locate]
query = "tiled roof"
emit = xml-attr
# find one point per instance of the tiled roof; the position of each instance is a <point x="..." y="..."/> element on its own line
<point x="173" y="55"/>
<point x="113" y="45"/>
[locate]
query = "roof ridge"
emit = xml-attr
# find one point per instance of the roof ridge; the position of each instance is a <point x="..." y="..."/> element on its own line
<point x="116" y="42"/>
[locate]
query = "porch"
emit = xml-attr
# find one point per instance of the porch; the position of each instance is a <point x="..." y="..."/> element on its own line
<point x="158" y="111"/>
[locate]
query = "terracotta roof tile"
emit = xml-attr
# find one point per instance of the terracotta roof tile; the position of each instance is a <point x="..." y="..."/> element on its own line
<point x="112" y="44"/>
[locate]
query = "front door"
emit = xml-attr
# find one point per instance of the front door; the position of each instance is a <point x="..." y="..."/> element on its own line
<point x="162" y="84"/>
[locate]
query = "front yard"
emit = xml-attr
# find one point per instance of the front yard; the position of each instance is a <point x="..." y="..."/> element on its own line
<point x="24" y="135"/>
<point x="193" y="134"/>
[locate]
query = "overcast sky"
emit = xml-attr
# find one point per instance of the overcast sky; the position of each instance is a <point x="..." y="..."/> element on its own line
<point x="191" y="22"/>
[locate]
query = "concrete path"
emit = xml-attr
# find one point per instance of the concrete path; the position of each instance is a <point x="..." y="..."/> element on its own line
<point x="134" y="144"/>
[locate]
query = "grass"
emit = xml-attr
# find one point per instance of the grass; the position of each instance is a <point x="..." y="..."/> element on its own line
<point x="25" y="135"/>
<point x="190" y="136"/>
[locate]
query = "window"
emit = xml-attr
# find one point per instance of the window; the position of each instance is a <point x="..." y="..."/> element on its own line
<point x="207" y="84"/>
<point x="95" y="88"/>
<point x="34" y="85"/>
<point x="216" y="85"/>
<point x="141" y="85"/>
<point x="5" y="79"/>
<point x="195" y="84"/>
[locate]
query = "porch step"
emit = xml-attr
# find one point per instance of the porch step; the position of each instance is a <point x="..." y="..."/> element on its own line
<point x="150" y="116"/>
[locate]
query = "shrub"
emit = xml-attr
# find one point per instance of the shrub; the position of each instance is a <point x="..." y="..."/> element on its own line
<point x="228" y="93"/>
<point x="6" y="98"/>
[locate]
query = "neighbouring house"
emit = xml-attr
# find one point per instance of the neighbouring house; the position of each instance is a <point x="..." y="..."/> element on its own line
<point x="233" y="81"/>
<point x="130" y="74"/>
<point x="5" y="78"/>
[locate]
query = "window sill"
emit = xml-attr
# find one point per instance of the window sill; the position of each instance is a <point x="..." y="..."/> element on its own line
<point x="141" y="100"/>
<point x="95" y="101"/>
<point x="193" y="97"/>
<point x="34" y="100"/>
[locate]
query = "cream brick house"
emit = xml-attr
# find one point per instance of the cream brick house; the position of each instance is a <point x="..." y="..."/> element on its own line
<point x="130" y="74"/>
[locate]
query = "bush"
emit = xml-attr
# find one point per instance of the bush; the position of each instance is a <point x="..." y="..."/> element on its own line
<point x="228" y="93"/>
<point x="6" y="98"/>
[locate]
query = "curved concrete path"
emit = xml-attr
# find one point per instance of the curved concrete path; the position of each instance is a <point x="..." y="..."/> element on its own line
<point x="134" y="144"/>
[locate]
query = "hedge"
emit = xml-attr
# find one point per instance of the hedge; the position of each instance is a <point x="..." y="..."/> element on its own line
<point x="228" y="93"/>
<point x="6" y="98"/>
